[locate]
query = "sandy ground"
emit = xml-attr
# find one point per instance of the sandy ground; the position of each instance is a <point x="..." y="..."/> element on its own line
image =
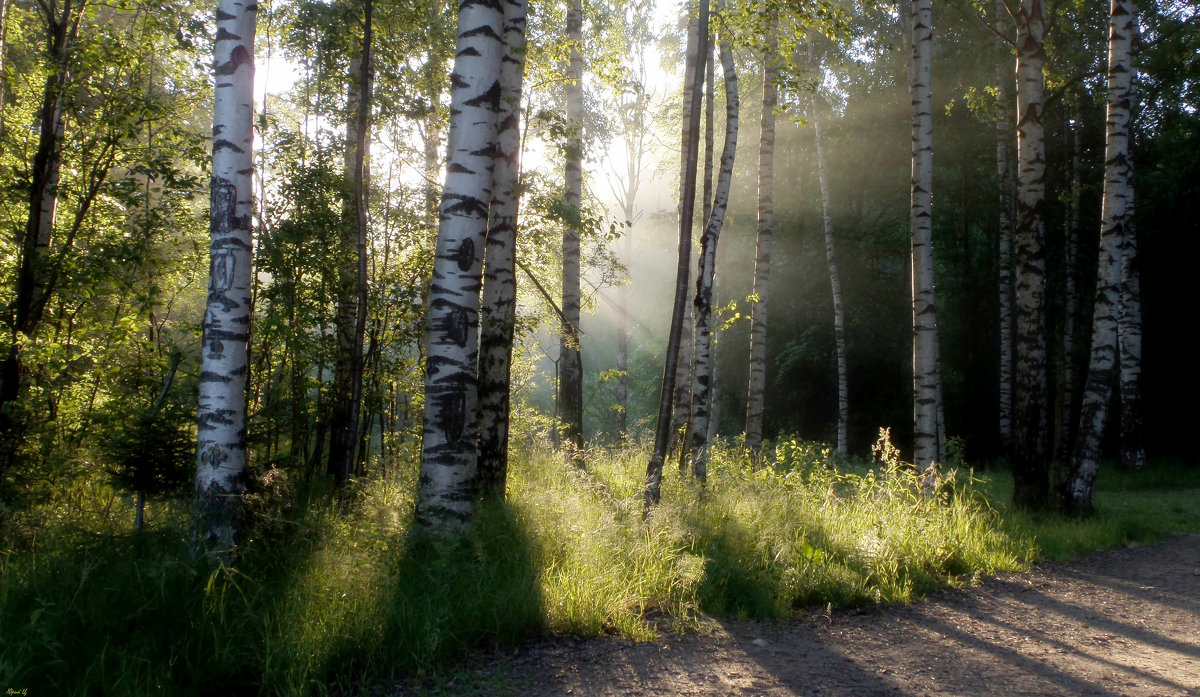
<point x="1123" y="622"/>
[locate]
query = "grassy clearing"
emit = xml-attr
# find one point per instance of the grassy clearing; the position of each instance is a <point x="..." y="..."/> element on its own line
<point x="324" y="600"/>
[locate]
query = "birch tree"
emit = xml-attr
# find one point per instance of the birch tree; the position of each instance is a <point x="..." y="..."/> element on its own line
<point x="570" y="364"/>
<point x="928" y="447"/>
<point x="221" y="432"/>
<point x="1115" y="226"/>
<point x="448" y="449"/>
<point x="835" y="283"/>
<point x="681" y="408"/>
<point x="698" y="426"/>
<point x="756" y="390"/>
<point x="500" y="283"/>
<point x="36" y="271"/>
<point x="690" y="146"/>
<point x="1031" y="479"/>
<point x="352" y="271"/>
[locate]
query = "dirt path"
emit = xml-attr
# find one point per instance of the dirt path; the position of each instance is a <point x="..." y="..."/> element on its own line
<point x="1124" y="622"/>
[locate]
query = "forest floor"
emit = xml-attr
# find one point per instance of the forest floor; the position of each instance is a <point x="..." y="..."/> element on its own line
<point x="1121" y="622"/>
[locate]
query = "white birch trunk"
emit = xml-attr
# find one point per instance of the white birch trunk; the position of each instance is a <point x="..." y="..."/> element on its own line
<point x="755" y="391"/>
<point x="697" y="447"/>
<point x="1030" y="403"/>
<point x="690" y="142"/>
<point x="221" y="456"/>
<point x="1115" y="225"/>
<point x="926" y="369"/>
<point x="835" y="283"/>
<point x="499" y="285"/>
<point x="681" y="414"/>
<point x="448" y="457"/>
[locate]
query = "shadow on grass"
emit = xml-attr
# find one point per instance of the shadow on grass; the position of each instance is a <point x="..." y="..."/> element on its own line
<point x="316" y="604"/>
<point x="478" y="591"/>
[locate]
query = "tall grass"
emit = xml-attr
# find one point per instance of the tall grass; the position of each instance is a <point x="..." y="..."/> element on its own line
<point x="330" y="596"/>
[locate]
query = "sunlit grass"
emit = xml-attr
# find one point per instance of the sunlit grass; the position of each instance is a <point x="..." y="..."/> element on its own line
<point x="333" y="596"/>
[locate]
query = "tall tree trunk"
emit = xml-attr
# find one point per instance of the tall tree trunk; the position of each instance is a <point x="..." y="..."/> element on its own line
<point x="685" y="370"/>
<point x="756" y="390"/>
<point x="835" y="283"/>
<point x="224" y="359"/>
<point x="1031" y="476"/>
<point x="1115" y="227"/>
<point x="5" y="7"/>
<point x="500" y="283"/>
<point x="690" y="146"/>
<point x="706" y="274"/>
<point x="570" y="388"/>
<point x="621" y="422"/>
<point x="352" y="274"/>
<point x="448" y="450"/>
<point x="1004" y="235"/>
<point x="1129" y="337"/>
<point x="1064" y="393"/>
<point x="35" y="272"/>
<point x="927" y="440"/>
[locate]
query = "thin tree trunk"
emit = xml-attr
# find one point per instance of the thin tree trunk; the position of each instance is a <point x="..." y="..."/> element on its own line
<point x="835" y="283"/>
<point x="35" y="272"/>
<point x="352" y="301"/>
<point x="1005" y="244"/>
<point x="756" y="390"/>
<point x="1129" y="337"/>
<point x="927" y="440"/>
<point x="685" y="372"/>
<point x="570" y="390"/>
<point x="448" y="456"/>
<point x="693" y="79"/>
<point x="1064" y="394"/>
<point x="622" y="391"/>
<point x="500" y="283"/>
<point x="705" y="277"/>
<point x="221" y="455"/>
<point x="1115" y="226"/>
<point x="1031" y="476"/>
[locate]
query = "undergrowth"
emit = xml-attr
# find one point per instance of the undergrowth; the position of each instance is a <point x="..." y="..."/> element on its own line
<point x="330" y="596"/>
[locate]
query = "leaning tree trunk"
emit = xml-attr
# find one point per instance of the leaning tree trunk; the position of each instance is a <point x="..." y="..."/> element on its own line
<point x="1115" y="225"/>
<point x="697" y="447"/>
<point x="500" y="282"/>
<point x="756" y="390"/>
<point x="1030" y="454"/>
<point x="352" y="271"/>
<point x="35" y="273"/>
<point x="693" y="79"/>
<point x="570" y="387"/>
<point x="927" y="445"/>
<point x="221" y="456"/>
<point x="448" y="450"/>
<point x="685" y="370"/>
<point x="835" y="283"/>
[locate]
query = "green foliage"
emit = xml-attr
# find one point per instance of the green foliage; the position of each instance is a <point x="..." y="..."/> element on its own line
<point x="153" y="453"/>
<point x="332" y="597"/>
